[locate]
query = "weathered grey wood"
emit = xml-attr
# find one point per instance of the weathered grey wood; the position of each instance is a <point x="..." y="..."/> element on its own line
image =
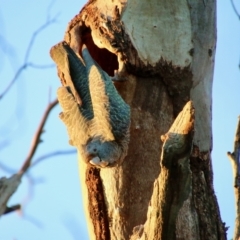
<point x="170" y="212"/>
<point x="7" y="188"/>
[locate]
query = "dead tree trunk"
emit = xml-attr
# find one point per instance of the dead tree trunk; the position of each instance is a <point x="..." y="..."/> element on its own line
<point x="164" y="50"/>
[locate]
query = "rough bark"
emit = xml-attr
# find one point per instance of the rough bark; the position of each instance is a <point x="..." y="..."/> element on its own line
<point x="8" y="186"/>
<point x="164" y="50"/>
<point x="170" y="212"/>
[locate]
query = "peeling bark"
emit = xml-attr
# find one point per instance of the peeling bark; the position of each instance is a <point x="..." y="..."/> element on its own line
<point x="97" y="208"/>
<point x="165" y="60"/>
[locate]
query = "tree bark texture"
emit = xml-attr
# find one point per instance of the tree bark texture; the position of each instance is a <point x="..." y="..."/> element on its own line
<point x="235" y="161"/>
<point x="8" y="187"/>
<point x="164" y="52"/>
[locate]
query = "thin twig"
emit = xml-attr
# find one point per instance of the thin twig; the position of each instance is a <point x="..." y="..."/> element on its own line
<point x="49" y="9"/>
<point x="20" y="70"/>
<point x="7" y="169"/>
<point x="30" y="179"/>
<point x="53" y="154"/>
<point x="36" y="138"/>
<point x="33" y="65"/>
<point x="40" y="29"/>
<point x="26" y="62"/>
<point x="12" y="208"/>
<point x="235" y="9"/>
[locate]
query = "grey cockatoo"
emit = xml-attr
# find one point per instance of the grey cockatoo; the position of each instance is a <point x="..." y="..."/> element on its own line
<point x="96" y="116"/>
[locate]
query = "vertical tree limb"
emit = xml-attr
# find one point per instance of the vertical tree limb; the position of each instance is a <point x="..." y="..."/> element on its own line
<point x="170" y="205"/>
<point x="234" y="158"/>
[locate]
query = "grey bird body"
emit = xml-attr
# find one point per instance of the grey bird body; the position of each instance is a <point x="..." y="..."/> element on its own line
<point x="96" y="116"/>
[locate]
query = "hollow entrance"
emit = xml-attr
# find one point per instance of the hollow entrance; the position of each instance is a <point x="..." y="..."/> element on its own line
<point x="106" y="60"/>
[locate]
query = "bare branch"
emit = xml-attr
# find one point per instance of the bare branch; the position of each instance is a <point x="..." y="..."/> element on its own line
<point x="33" y="65"/>
<point x="36" y="139"/>
<point x="49" y="9"/>
<point x="6" y="168"/>
<point x="40" y="29"/>
<point x="53" y="154"/>
<point x="7" y="183"/>
<point x="20" y="70"/>
<point x="7" y="187"/>
<point x="12" y="208"/>
<point x="235" y="9"/>
<point x="17" y="74"/>
<point x="33" y="220"/>
<point x="26" y="62"/>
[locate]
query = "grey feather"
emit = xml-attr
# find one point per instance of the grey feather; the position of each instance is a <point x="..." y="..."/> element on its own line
<point x="98" y="124"/>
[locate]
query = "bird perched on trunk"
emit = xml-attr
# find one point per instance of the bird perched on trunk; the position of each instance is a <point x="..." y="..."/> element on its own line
<point x="96" y="116"/>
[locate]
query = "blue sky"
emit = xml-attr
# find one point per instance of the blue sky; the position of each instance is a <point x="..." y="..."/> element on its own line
<point x="51" y="196"/>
